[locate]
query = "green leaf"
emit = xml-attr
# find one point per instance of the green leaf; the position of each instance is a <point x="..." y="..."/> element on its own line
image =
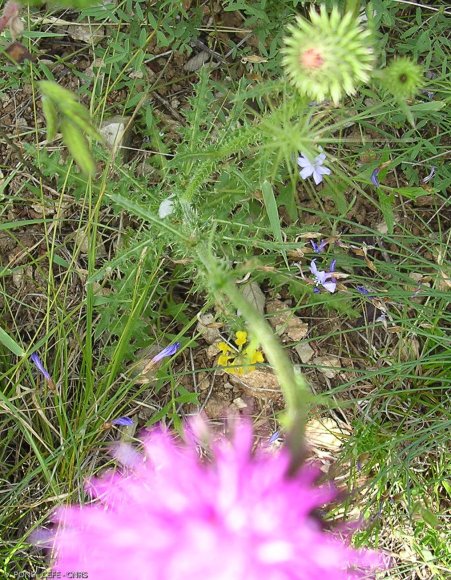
<point x="407" y="112"/>
<point x="51" y="117"/>
<point x="10" y="343"/>
<point x="85" y="126"/>
<point x="78" y="146"/>
<point x="413" y="192"/>
<point x="386" y="205"/>
<point x="56" y="99"/>
<point x="428" y="107"/>
<point x="273" y="214"/>
<point x="56" y="93"/>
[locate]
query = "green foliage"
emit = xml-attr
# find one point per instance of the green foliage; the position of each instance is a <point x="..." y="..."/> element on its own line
<point x="77" y="4"/>
<point x="63" y="111"/>
<point x="108" y="278"/>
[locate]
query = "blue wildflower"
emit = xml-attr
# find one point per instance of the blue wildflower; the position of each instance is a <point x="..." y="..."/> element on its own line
<point x="324" y="279"/>
<point x="374" y="179"/>
<point x="274" y="437"/>
<point x="313" y="168"/>
<point x="362" y="290"/>
<point x="168" y="351"/>
<point x="319" y="247"/>
<point x="41" y="368"/>
<point x="122" y="421"/>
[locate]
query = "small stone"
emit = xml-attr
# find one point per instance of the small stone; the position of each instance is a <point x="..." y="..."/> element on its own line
<point x="203" y="381"/>
<point x="305" y="351"/>
<point x="239" y="403"/>
<point x="208" y="328"/>
<point x="260" y="383"/>
<point x="116" y="132"/>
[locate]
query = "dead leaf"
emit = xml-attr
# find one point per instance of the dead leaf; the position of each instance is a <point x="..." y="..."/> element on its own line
<point x="253" y="294"/>
<point x="329" y="365"/>
<point x="197" y="61"/>
<point x="253" y="59"/>
<point x="18" y="53"/>
<point x="325" y="433"/>
<point x="86" y="33"/>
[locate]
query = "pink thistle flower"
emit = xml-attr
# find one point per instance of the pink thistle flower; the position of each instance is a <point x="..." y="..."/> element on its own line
<point x="170" y="516"/>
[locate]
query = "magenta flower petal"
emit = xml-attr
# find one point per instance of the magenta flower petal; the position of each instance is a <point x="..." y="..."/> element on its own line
<point x="169" y="516"/>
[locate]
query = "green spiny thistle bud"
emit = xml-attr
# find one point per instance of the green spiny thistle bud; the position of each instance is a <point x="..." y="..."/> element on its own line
<point x="402" y="78"/>
<point x="328" y="56"/>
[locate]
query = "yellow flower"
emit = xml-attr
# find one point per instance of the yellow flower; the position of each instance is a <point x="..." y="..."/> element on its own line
<point x="223" y="360"/>
<point x="224" y="347"/>
<point x="243" y="361"/>
<point x="241" y="338"/>
<point x="258" y="357"/>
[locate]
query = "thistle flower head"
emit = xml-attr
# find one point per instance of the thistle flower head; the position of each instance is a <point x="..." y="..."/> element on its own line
<point x="402" y="78"/>
<point x="327" y="56"/>
<point x="171" y="517"/>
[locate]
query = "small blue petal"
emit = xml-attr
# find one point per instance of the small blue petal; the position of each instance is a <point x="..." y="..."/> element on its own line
<point x="362" y="290"/>
<point x="274" y="437"/>
<point x="38" y="364"/>
<point x="374" y="179"/>
<point x="168" y="351"/>
<point x="316" y="290"/>
<point x="318" y="248"/>
<point x="332" y="266"/>
<point x="122" y="421"/>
